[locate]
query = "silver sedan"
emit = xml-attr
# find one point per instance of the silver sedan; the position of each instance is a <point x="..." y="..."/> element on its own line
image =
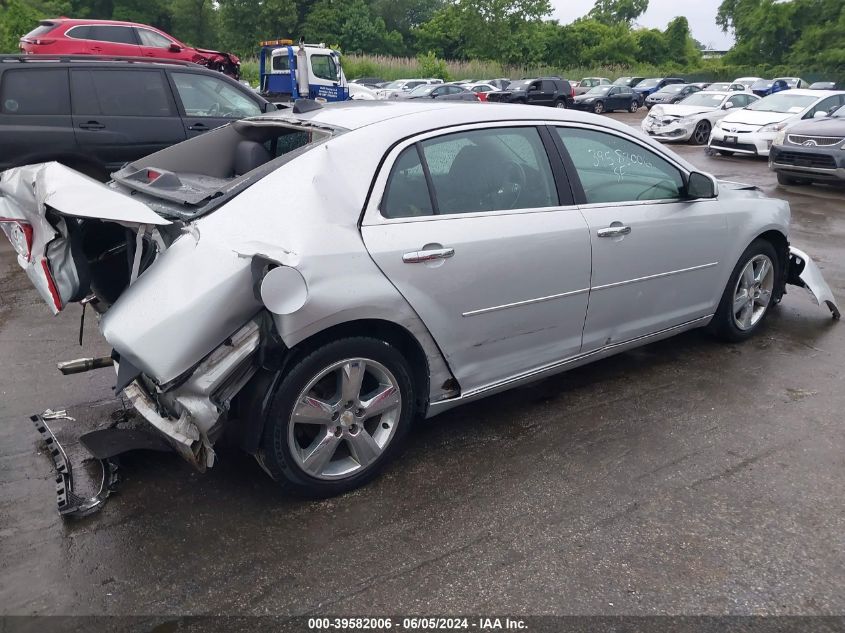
<point x="317" y="278"/>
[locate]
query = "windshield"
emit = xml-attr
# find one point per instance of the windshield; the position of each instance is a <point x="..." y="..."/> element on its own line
<point x="519" y="85"/>
<point x="599" y="90"/>
<point x="623" y="81"/>
<point x="840" y="113"/>
<point x="783" y="102"/>
<point x="648" y="83"/>
<point x="710" y="100"/>
<point x="42" y="29"/>
<point x="762" y="84"/>
<point x="422" y="89"/>
<point x="673" y="88"/>
<point x="395" y="85"/>
<point x="719" y="86"/>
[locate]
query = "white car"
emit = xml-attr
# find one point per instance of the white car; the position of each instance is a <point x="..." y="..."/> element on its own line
<point x="746" y="82"/>
<point x="693" y="119"/>
<point x="361" y="93"/>
<point x="751" y="130"/>
<point x="403" y="85"/>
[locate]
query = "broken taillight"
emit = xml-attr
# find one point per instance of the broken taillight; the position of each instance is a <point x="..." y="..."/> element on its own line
<point x="20" y="235"/>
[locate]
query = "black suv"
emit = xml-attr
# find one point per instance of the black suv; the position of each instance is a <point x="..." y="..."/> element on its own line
<point x="95" y="114"/>
<point x="545" y="91"/>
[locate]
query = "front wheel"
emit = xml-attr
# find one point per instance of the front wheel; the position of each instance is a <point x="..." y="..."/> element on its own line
<point x="635" y="105"/>
<point x="751" y="291"/>
<point x="598" y="108"/>
<point x="701" y="134"/>
<point x="338" y="417"/>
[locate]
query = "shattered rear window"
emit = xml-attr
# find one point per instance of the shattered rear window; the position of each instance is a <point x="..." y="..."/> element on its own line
<point x="196" y="176"/>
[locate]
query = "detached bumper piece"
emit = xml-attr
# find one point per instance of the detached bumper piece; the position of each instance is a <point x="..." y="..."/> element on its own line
<point x="70" y="504"/>
<point x="804" y="272"/>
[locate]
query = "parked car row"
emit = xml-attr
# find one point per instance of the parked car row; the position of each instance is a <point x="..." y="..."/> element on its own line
<point x="800" y="130"/>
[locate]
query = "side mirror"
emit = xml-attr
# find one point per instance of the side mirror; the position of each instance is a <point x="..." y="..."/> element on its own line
<point x="819" y="114"/>
<point x="700" y="186"/>
<point x="175" y="48"/>
<point x="728" y="105"/>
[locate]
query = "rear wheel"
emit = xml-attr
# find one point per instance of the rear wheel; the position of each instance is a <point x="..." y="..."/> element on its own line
<point x="338" y="417"/>
<point x="701" y="133"/>
<point x="598" y="108"/>
<point x="560" y="103"/>
<point x="749" y="294"/>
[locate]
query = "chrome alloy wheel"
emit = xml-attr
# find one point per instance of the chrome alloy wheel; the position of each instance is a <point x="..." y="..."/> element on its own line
<point x="344" y="418"/>
<point x="753" y="292"/>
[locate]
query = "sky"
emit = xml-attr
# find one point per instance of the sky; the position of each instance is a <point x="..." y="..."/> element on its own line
<point x="700" y="13"/>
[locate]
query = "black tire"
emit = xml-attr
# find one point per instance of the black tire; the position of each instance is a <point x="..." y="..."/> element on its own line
<point x="635" y="105"/>
<point x="784" y="179"/>
<point x="701" y="133"/>
<point x="725" y="152"/>
<point x="561" y="103"/>
<point x="724" y="324"/>
<point x="276" y="454"/>
<point x="598" y="107"/>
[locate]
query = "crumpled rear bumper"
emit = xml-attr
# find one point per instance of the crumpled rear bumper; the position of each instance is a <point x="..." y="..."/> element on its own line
<point x="804" y="272"/>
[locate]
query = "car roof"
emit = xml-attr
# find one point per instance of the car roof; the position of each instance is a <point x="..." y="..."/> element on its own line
<point x="806" y="92"/>
<point x="128" y="63"/>
<point x="92" y="21"/>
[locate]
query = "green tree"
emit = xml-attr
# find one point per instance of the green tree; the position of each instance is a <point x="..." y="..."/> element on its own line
<point x="618" y="11"/>
<point x="652" y="47"/>
<point x="243" y="23"/>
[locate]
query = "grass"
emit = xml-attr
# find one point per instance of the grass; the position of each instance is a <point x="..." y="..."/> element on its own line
<point x="390" y="68"/>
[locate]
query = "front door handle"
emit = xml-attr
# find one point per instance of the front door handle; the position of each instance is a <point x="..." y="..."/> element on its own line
<point x="198" y="127"/>
<point x="92" y="125"/>
<point x="419" y="257"/>
<point x="613" y="231"/>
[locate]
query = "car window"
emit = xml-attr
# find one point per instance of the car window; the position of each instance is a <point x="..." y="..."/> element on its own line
<point x="490" y="170"/>
<point x="120" y="93"/>
<point x="613" y="169"/>
<point x="151" y="38"/>
<point x="110" y="33"/>
<point x="324" y="67"/>
<point x="35" y="91"/>
<point x="82" y="32"/>
<point x="203" y="95"/>
<point x="281" y="62"/>
<point x="407" y="192"/>
<point x="825" y="105"/>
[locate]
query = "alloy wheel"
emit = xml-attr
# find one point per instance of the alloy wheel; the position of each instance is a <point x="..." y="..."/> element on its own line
<point x="701" y="134"/>
<point x="753" y="292"/>
<point x="344" y="418"/>
<point x="598" y="108"/>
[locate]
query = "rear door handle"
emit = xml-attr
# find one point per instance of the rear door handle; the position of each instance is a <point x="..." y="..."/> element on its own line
<point x="198" y="127"/>
<point x="419" y="257"/>
<point x="613" y="231"/>
<point x="92" y="125"/>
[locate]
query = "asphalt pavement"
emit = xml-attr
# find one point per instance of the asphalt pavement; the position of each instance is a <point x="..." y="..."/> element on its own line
<point x="686" y="477"/>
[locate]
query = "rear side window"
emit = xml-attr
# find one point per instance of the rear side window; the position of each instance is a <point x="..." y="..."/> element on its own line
<point x="121" y="93"/>
<point x="107" y="33"/>
<point x="407" y="192"/>
<point x="35" y="91"/>
<point x="41" y="29"/>
<point x="79" y="32"/>
<point x="548" y="86"/>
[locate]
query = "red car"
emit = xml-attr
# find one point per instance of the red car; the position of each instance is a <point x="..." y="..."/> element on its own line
<point x="65" y="36"/>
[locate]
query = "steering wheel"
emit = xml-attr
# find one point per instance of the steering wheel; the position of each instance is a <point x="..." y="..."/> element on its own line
<point x="214" y="110"/>
<point x="513" y="184"/>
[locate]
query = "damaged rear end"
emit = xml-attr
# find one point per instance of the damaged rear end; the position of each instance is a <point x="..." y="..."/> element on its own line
<point x="182" y="313"/>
